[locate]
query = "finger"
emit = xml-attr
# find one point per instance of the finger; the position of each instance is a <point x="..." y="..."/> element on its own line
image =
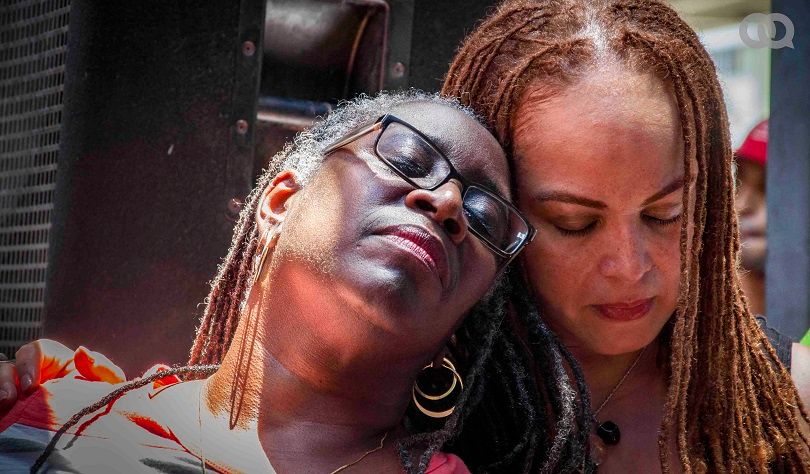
<point x="56" y="359"/>
<point x="42" y="360"/>
<point x="29" y="359"/>
<point x="8" y="388"/>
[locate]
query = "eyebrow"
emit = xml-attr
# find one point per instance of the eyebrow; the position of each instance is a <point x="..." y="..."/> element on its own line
<point x="488" y="183"/>
<point x="561" y="196"/>
<point x="665" y="191"/>
<point x="480" y="177"/>
<point x="475" y="176"/>
<point x="568" y="198"/>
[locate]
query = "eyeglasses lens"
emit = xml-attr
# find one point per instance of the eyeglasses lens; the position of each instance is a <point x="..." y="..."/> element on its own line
<point x="494" y="220"/>
<point x="418" y="161"/>
<point x="412" y="156"/>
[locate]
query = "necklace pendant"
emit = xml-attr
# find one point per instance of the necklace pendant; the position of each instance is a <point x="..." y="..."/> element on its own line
<point x="609" y="432"/>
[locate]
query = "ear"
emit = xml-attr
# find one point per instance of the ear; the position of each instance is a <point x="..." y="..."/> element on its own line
<point x="275" y="199"/>
<point x="438" y="358"/>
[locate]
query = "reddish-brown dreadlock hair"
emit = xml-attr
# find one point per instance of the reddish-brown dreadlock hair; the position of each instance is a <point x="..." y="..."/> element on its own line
<point x="744" y="411"/>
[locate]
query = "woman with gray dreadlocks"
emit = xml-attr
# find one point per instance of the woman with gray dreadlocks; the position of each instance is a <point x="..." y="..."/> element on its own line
<point x="327" y="336"/>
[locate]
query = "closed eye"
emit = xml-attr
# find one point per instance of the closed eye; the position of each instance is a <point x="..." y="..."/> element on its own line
<point x="409" y="167"/>
<point x="484" y="219"/>
<point x="662" y="222"/>
<point x="590" y="227"/>
<point x="576" y="232"/>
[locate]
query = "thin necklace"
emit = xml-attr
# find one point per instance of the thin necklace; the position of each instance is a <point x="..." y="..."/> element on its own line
<point x="373" y="450"/>
<point x="609" y="431"/>
<point x="341" y="468"/>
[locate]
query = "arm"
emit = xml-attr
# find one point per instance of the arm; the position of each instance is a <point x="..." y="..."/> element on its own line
<point x="800" y="371"/>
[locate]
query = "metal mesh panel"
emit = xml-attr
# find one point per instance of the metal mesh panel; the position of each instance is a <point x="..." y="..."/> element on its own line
<point x="33" y="49"/>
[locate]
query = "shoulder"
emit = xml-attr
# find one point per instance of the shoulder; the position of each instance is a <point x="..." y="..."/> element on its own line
<point x="795" y="357"/>
<point x="780" y="342"/>
<point x="800" y="371"/>
<point x="127" y="432"/>
<point x="56" y="401"/>
<point x="444" y="463"/>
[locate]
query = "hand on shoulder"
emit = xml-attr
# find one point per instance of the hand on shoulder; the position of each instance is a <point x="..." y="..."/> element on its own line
<point x="43" y="360"/>
<point x="800" y="371"/>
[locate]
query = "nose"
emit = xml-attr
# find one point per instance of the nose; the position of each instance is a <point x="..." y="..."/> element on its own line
<point x="627" y="257"/>
<point x="444" y="205"/>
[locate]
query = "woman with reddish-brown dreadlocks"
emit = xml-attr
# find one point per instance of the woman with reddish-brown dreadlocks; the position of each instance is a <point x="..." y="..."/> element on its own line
<point x="353" y="263"/>
<point x="613" y="115"/>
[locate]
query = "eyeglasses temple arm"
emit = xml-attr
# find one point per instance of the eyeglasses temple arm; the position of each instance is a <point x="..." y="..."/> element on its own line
<point x="354" y="136"/>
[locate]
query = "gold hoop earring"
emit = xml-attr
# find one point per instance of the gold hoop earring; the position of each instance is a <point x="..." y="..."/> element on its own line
<point x="431" y="397"/>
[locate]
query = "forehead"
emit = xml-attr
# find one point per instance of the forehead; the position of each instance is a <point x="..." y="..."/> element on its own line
<point x="466" y="143"/>
<point x="600" y="139"/>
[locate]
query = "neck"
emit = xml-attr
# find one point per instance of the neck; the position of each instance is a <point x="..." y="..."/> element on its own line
<point x="604" y="372"/>
<point x="296" y="390"/>
<point x="753" y="286"/>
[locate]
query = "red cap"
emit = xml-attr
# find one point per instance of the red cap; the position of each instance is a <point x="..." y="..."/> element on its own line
<point x="755" y="146"/>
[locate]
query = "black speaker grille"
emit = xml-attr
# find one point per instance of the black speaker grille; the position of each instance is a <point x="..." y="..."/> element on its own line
<point x="33" y="50"/>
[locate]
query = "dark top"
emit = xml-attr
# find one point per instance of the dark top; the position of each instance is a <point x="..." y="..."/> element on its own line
<point x="781" y="343"/>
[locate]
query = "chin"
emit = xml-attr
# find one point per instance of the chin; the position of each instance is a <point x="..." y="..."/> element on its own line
<point x="400" y="287"/>
<point x="392" y="299"/>
<point x="625" y="347"/>
<point x="610" y="338"/>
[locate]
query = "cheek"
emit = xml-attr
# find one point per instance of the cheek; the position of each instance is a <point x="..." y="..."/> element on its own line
<point x="557" y="273"/>
<point x="477" y="274"/>
<point x="667" y="263"/>
<point x="310" y="237"/>
<point x="320" y="221"/>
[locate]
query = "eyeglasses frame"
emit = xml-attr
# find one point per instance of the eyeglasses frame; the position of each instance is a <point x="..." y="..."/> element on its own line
<point x="382" y="122"/>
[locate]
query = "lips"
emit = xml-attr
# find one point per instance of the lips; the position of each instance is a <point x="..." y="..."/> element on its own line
<point x="625" y="311"/>
<point x="752" y="226"/>
<point x="752" y="232"/>
<point x="423" y="245"/>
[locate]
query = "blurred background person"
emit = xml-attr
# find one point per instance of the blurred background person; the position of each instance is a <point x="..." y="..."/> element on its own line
<point x="752" y="213"/>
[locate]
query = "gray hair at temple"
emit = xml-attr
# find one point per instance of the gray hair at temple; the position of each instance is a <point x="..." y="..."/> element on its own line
<point x="304" y="154"/>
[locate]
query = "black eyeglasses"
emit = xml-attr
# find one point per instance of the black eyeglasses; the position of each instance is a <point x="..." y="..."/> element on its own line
<point x="413" y="157"/>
